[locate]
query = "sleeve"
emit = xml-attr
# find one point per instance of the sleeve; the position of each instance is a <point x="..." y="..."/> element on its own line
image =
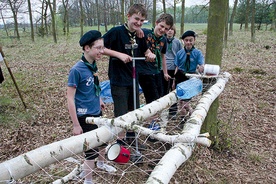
<point x="179" y="46"/>
<point x="176" y="63"/>
<point x="109" y="37"/>
<point x="200" y="58"/>
<point x="73" y="78"/>
<point x="164" y="48"/>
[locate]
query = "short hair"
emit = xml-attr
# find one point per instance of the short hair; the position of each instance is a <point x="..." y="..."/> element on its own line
<point x="138" y="9"/>
<point x="174" y="29"/>
<point x="167" y="18"/>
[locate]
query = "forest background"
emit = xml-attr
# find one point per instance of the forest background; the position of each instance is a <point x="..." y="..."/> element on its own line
<point x="40" y="64"/>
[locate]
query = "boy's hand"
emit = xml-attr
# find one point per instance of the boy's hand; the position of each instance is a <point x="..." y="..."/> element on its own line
<point x="77" y="130"/>
<point x="150" y="57"/>
<point x="200" y="68"/>
<point x="167" y="77"/>
<point x="140" y="33"/>
<point x="125" y="58"/>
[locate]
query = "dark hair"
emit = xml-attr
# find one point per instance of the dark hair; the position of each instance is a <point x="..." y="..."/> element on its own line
<point x="139" y="9"/>
<point x="165" y="17"/>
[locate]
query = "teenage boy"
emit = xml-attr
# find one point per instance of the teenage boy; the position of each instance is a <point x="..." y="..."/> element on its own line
<point x="150" y="75"/>
<point x="187" y="60"/>
<point x="83" y="97"/>
<point x="121" y="45"/>
<point x="173" y="46"/>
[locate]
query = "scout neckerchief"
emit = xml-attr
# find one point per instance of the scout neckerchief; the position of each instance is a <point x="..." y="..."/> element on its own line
<point x="93" y="68"/>
<point x="132" y="36"/>
<point x="155" y="44"/>
<point x="170" y="40"/>
<point x="188" y="62"/>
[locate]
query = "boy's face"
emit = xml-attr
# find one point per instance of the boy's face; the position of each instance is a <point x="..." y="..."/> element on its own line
<point x="96" y="51"/>
<point x="135" y="22"/>
<point x="189" y="41"/>
<point x="161" y="28"/>
<point x="170" y="33"/>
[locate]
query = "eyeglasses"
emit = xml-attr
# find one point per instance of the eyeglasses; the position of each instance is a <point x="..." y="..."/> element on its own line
<point x="99" y="48"/>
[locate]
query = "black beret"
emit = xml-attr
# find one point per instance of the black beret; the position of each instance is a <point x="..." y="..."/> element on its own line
<point x="90" y="37"/>
<point x="188" y="33"/>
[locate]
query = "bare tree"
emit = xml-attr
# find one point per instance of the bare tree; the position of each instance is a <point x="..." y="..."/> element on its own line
<point x="105" y="14"/>
<point x="53" y="15"/>
<point x="232" y="18"/>
<point x="247" y="12"/>
<point x="65" y="4"/>
<point x="2" y="6"/>
<point x="182" y="16"/>
<point x="15" y="6"/>
<point x="81" y="17"/>
<point x="273" y="25"/>
<point x="253" y="10"/>
<point x="164" y="6"/>
<point x="123" y="11"/>
<point x="31" y="19"/>
<point x="226" y="24"/>
<point x="153" y="13"/>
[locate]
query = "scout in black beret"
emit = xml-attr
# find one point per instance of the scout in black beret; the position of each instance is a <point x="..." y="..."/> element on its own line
<point x="90" y="37"/>
<point x="188" y="33"/>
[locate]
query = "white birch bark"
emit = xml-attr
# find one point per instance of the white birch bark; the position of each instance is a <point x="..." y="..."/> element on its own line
<point x="34" y="160"/>
<point x="180" y="152"/>
<point x="69" y="176"/>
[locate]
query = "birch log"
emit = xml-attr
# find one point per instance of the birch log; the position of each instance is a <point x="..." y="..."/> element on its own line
<point x="34" y="160"/>
<point x="173" y="158"/>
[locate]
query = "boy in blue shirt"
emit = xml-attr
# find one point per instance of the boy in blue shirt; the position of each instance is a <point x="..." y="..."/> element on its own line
<point x="187" y="60"/>
<point x="83" y="97"/>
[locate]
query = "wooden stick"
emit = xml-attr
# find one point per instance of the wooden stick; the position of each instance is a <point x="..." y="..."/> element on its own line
<point x="13" y="79"/>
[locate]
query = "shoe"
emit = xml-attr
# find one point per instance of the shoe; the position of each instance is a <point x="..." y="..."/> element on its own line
<point x="88" y="182"/>
<point x="121" y="142"/>
<point x="154" y="126"/>
<point x="81" y="175"/>
<point x="136" y="158"/>
<point x="106" y="167"/>
<point x="132" y="142"/>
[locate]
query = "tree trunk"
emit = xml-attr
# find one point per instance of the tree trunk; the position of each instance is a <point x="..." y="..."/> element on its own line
<point x="174" y="10"/>
<point x="31" y="19"/>
<point x="105" y="18"/>
<point x="66" y="17"/>
<point x="53" y="15"/>
<point x="81" y="18"/>
<point x="253" y="21"/>
<point x="247" y="15"/>
<point x="45" y="18"/>
<point x="153" y="13"/>
<point x="273" y="24"/>
<point x="182" y="17"/>
<point x="14" y="10"/>
<point x="98" y="15"/>
<point x="226" y="25"/>
<point x="5" y="26"/>
<point x="232" y="18"/>
<point x="214" y="51"/>
<point x="164" y="6"/>
<point x="123" y="11"/>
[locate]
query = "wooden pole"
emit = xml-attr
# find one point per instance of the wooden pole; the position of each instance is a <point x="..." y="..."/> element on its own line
<point x="13" y="79"/>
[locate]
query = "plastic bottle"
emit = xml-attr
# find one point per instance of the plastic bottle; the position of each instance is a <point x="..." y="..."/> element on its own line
<point x="189" y="88"/>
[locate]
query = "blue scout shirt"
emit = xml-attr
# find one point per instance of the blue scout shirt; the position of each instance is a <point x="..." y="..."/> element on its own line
<point x="86" y="101"/>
